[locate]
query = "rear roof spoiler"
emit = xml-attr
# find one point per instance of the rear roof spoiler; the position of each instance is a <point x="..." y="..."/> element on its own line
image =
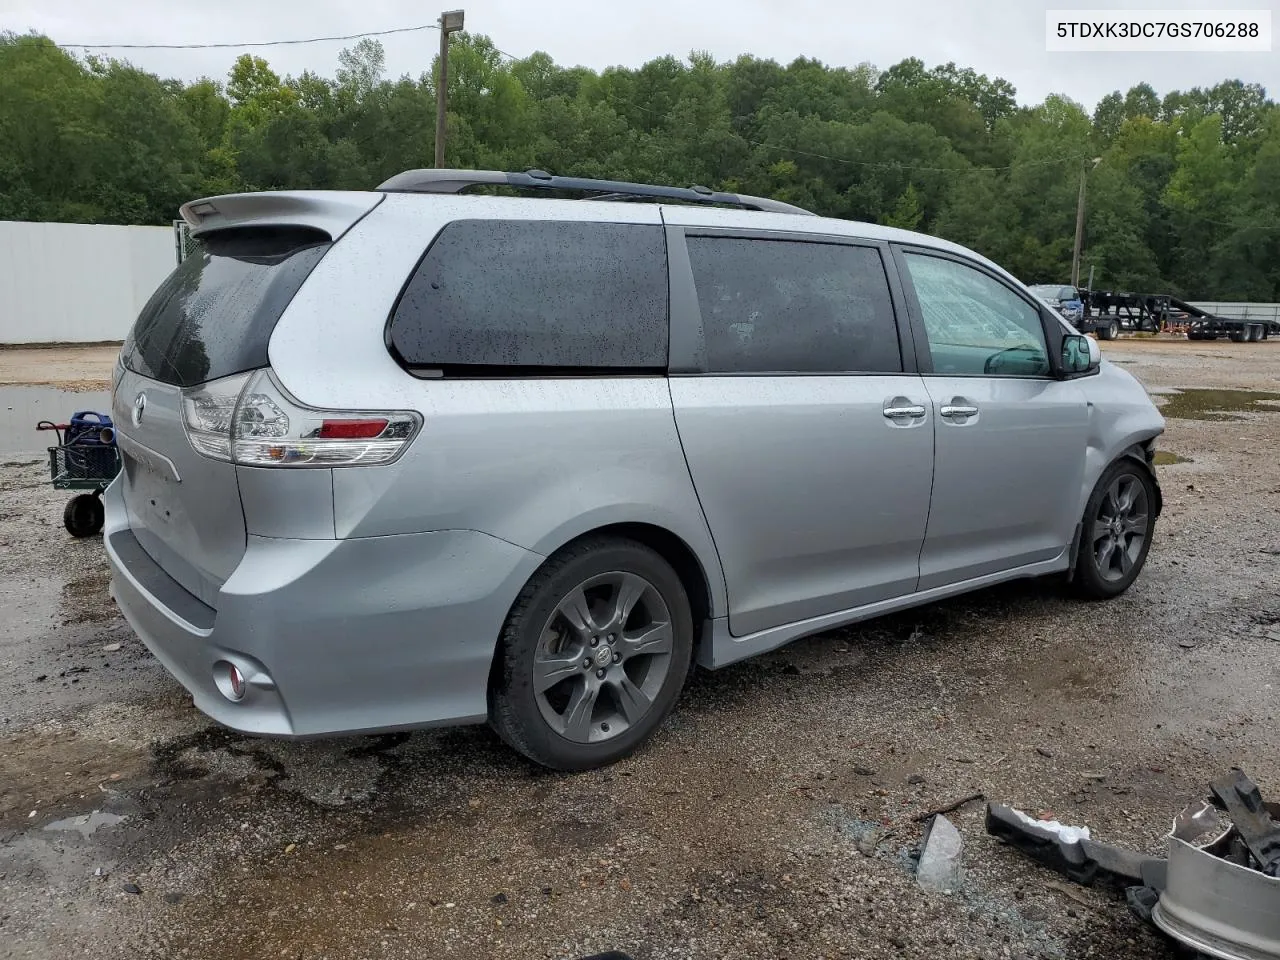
<point x="332" y="211"/>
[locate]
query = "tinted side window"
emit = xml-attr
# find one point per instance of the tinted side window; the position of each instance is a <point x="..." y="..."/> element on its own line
<point x="976" y="325"/>
<point x="789" y="306"/>
<point x="214" y="315"/>
<point x="501" y="296"/>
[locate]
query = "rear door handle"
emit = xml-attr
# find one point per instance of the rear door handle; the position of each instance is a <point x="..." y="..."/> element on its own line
<point x="957" y="411"/>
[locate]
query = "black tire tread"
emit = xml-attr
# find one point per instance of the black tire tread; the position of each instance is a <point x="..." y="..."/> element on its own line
<point x="1086" y="583"/>
<point x="502" y="714"/>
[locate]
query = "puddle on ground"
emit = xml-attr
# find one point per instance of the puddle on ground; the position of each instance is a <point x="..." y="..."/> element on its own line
<point x="1218" y="404"/>
<point x="22" y="407"/>
<point x="87" y="824"/>
<point x="1165" y="458"/>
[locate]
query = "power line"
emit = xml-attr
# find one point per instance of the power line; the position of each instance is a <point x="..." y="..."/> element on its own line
<point x="259" y="43"/>
<point x="612" y="99"/>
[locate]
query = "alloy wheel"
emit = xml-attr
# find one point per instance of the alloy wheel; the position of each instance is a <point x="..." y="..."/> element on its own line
<point x="602" y="657"/>
<point x="1120" y="528"/>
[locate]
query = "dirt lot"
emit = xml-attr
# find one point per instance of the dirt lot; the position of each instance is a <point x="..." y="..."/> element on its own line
<point x="772" y="817"/>
<point x="71" y="367"/>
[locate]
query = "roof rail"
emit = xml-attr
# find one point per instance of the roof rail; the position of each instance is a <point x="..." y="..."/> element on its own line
<point x="455" y="181"/>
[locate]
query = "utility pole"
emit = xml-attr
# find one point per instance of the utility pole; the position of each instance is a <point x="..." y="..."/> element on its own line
<point x="450" y="22"/>
<point x="1075" y="257"/>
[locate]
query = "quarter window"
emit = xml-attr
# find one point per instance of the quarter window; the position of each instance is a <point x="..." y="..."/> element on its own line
<point x="788" y="306"/>
<point x="539" y="296"/>
<point x="976" y="325"/>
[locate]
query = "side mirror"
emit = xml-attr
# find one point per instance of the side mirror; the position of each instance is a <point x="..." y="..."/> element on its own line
<point x="1080" y="354"/>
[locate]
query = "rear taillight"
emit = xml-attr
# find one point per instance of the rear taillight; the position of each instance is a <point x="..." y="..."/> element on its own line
<point x="250" y="420"/>
<point x="208" y="411"/>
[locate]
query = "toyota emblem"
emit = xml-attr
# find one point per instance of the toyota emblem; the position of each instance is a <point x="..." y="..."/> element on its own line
<point x="139" y="405"/>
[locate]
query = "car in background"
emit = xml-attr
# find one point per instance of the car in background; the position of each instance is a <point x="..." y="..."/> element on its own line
<point x="1064" y="298"/>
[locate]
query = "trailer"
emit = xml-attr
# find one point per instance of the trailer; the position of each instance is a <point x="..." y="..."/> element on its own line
<point x="1107" y="313"/>
<point x="1201" y="325"/>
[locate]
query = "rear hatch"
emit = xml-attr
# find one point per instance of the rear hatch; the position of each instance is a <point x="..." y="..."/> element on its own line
<point x="211" y="319"/>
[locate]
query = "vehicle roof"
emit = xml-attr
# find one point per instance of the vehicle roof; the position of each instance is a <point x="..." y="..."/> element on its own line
<point x="320" y="207"/>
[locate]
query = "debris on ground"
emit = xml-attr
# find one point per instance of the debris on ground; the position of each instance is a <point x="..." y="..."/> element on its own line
<point x="1241" y="799"/>
<point x="1217" y="892"/>
<point x="1070" y="850"/>
<point x="948" y="807"/>
<point x="939" y="868"/>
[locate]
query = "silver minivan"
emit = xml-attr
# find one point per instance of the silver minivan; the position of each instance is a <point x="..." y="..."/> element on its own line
<point x="422" y="456"/>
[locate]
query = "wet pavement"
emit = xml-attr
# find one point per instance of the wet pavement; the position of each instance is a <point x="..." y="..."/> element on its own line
<point x="773" y="816"/>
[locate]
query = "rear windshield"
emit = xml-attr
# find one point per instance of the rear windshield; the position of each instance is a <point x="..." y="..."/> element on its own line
<point x="214" y="315"/>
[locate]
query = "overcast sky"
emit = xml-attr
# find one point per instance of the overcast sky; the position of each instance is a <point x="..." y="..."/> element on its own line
<point x="998" y="37"/>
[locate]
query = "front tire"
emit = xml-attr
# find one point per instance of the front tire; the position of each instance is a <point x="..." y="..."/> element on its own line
<point x="593" y="655"/>
<point x="1119" y="521"/>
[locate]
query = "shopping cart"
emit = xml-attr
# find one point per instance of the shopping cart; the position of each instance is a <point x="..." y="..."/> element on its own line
<point x="86" y="458"/>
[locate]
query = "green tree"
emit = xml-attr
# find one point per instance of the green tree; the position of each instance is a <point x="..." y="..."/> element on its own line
<point x="907" y="212"/>
<point x="1186" y="197"/>
<point x="48" y="135"/>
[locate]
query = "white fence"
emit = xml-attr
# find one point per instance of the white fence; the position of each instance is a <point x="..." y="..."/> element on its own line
<point x="1242" y="311"/>
<point x="77" y="282"/>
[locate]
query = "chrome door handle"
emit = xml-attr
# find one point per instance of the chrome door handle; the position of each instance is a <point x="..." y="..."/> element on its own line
<point x="913" y="411"/>
<point x="957" y="411"/>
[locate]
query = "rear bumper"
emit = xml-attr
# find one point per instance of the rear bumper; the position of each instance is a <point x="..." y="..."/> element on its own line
<point x="334" y="636"/>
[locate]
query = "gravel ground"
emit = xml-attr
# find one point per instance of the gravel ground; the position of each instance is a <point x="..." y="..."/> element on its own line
<point x="772" y="817"/>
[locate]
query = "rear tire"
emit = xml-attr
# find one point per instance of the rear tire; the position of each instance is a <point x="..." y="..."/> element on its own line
<point x="1116" y="531"/>
<point x="593" y="655"/>
<point x="1255" y="334"/>
<point x="1110" y="331"/>
<point x="1240" y="336"/>
<point x="83" y="515"/>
